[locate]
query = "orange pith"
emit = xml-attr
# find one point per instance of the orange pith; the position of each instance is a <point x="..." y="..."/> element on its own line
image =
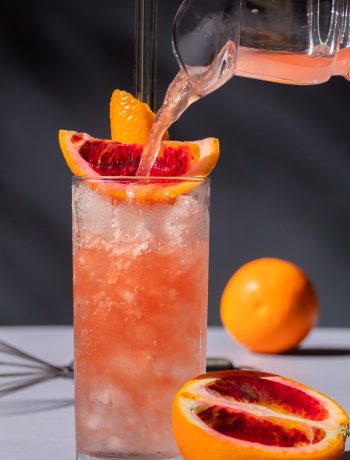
<point x="269" y="306"/>
<point x="131" y="120"/>
<point x="247" y="415"/>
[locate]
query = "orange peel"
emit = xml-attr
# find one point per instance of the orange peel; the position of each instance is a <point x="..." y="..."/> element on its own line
<point x="131" y="120"/>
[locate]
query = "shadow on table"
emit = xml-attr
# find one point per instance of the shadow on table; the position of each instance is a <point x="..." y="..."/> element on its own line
<point x="21" y="407"/>
<point x="346" y="456"/>
<point x="322" y="352"/>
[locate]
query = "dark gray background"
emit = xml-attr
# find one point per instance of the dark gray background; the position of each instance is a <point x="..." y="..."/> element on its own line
<point x="281" y="188"/>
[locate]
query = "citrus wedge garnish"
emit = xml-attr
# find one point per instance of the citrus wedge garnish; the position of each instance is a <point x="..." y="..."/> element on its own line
<point x="249" y="415"/>
<point x="98" y="158"/>
<point x="131" y="122"/>
<point x="131" y="119"/>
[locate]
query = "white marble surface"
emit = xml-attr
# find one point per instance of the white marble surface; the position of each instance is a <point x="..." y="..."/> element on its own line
<point x="49" y="434"/>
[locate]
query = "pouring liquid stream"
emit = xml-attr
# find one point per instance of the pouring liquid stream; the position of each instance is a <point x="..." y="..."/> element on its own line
<point x="179" y="97"/>
<point x="187" y="87"/>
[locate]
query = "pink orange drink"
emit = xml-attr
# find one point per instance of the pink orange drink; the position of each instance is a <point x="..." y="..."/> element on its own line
<point x="292" y="68"/>
<point x="140" y="312"/>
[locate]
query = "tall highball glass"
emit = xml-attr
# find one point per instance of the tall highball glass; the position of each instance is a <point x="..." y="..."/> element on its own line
<point x="140" y="257"/>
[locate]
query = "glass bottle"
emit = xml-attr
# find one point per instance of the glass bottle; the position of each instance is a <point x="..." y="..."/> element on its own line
<point x="288" y="41"/>
<point x="294" y="41"/>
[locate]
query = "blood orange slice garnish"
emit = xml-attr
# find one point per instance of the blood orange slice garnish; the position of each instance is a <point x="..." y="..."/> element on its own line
<point x="131" y="121"/>
<point x="88" y="156"/>
<point x="254" y="415"/>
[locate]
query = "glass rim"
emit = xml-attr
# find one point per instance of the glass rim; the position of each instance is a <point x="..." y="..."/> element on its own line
<point x="141" y="179"/>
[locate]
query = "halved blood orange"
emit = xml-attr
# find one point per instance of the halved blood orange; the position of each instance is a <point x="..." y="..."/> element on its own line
<point x="88" y="156"/>
<point x="248" y="415"/>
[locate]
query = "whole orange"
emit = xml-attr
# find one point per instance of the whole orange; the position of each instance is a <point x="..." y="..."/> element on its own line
<point x="269" y="306"/>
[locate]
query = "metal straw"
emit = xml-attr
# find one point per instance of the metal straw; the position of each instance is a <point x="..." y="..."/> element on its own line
<point x="145" y="51"/>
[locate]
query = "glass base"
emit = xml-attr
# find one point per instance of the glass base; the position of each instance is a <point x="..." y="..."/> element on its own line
<point x="125" y="457"/>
